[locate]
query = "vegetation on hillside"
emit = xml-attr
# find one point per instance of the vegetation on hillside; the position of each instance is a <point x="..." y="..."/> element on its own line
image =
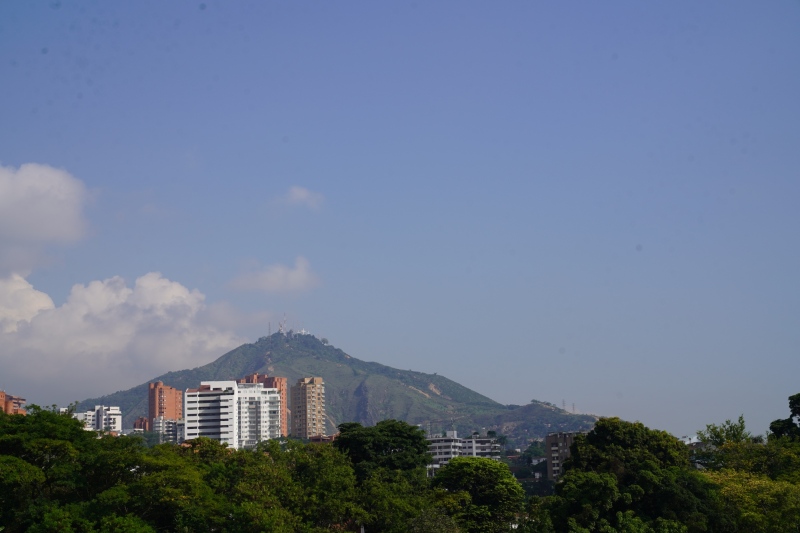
<point x="363" y="392"/>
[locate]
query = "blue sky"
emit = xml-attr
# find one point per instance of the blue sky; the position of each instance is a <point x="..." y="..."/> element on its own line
<point x="589" y="203"/>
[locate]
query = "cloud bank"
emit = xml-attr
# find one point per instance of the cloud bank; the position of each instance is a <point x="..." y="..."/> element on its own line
<point x="107" y="336"/>
<point x="278" y="278"/>
<point x="39" y="205"/>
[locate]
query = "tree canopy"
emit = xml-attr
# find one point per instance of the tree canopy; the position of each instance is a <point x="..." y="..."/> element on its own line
<point x="622" y="477"/>
<point x="491" y="496"/>
<point x="389" y="444"/>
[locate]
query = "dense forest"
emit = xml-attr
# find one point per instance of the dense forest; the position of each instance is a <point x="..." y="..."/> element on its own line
<point x="622" y="477"/>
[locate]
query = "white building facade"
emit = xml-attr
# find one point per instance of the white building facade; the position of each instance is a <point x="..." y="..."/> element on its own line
<point x="444" y="448"/>
<point x="237" y="414"/>
<point x="102" y="418"/>
<point x="480" y="447"/>
<point x="169" y="430"/>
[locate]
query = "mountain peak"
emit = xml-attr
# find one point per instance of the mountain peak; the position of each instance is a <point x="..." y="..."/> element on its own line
<point x="361" y="391"/>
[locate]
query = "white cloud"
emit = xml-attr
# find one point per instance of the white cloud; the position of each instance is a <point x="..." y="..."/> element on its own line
<point x="279" y="278"/>
<point x="39" y="205"/>
<point x="19" y="302"/>
<point x="304" y="197"/>
<point x="107" y="336"/>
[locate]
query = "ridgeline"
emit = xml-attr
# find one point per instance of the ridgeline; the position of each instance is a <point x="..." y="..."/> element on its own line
<point x="364" y="392"/>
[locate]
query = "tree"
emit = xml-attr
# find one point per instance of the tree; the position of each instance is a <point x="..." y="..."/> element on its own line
<point x="535" y="449"/>
<point x="652" y="474"/>
<point x="760" y="504"/>
<point x="494" y="496"/>
<point x="390" y="444"/>
<point x="585" y="501"/>
<point x="320" y="489"/>
<point x="393" y="498"/>
<point x="788" y="427"/>
<point x="728" y="432"/>
<point x="433" y="520"/>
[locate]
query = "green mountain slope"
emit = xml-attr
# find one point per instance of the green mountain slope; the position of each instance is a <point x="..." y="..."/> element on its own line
<point x="361" y="391"/>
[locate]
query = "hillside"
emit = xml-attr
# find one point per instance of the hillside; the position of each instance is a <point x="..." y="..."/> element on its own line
<point x="361" y="391"/>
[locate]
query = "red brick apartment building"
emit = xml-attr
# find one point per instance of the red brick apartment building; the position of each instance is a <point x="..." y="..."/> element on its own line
<point x="11" y="405"/>
<point x="163" y="401"/>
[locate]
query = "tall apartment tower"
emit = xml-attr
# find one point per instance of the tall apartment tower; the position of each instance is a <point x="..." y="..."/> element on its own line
<point x="237" y="414"/>
<point x="272" y="382"/>
<point x="164" y="402"/>
<point x="308" y="408"/>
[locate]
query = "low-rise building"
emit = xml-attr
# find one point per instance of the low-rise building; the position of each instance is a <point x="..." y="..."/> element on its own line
<point x="445" y="447"/>
<point x="11" y="405"/>
<point x="101" y="418"/>
<point x="141" y="424"/>
<point x="169" y="430"/>
<point x="476" y="446"/>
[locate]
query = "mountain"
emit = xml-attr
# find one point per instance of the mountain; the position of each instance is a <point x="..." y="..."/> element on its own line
<point x="361" y="391"/>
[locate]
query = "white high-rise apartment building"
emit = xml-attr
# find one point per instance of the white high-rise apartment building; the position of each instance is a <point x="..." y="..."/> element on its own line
<point x="237" y="414"/>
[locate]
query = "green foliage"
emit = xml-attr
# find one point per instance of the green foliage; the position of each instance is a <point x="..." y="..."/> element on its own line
<point x="77" y="482"/>
<point x="728" y="432"/>
<point x="760" y="504"/>
<point x="535" y="449"/>
<point x="731" y="447"/>
<point x="390" y="444"/>
<point x="492" y="496"/>
<point x="394" y="498"/>
<point x="788" y="427"/>
<point x="624" y="475"/>
<point x="433" y="520"/>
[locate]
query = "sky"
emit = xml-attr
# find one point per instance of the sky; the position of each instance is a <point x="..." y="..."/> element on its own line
<point x="593" y="204"/>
